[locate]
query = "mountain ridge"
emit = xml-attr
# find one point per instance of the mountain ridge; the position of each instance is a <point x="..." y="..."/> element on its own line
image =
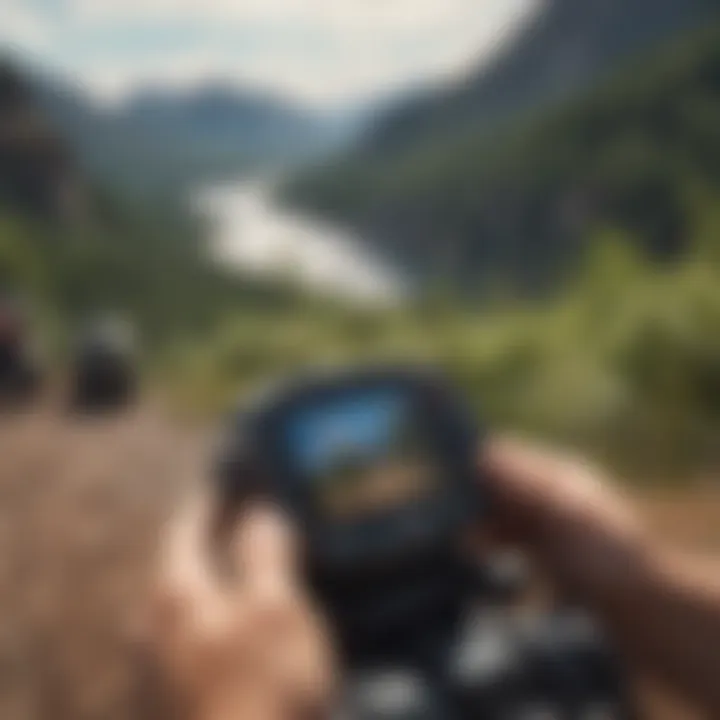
<point x="523" y="205"/>
<point x="558" y="51"/>
<point x="168" y="140"/>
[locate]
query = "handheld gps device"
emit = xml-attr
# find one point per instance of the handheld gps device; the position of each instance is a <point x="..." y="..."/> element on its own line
<point x="375" y="464"/>
<point x="377" y="467"/>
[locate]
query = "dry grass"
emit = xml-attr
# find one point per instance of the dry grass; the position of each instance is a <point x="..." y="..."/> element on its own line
<point x="80" y="507"/>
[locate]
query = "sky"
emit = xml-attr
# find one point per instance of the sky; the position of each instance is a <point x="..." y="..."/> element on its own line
<point x="318" y="52"/>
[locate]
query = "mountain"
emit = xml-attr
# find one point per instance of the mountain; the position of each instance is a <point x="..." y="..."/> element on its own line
<point x="523" y="204"/>
<point x="162" y="139"/>
<point x="217" y="122"/>
<point x="215" y="108"/>
<point x="565" y="47"/>
<point x="76" y="249"/>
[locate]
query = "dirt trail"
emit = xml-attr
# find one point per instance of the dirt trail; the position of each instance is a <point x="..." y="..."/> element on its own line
<point x="81" y="503"/>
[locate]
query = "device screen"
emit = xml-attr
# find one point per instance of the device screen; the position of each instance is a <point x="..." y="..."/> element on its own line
<point x="363" y="454"/>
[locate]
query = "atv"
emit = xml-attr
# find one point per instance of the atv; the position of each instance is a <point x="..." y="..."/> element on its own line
<point x="104" y="374"/>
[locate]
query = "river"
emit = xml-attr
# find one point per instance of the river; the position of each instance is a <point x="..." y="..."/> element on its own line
<point x="254" y="233"/>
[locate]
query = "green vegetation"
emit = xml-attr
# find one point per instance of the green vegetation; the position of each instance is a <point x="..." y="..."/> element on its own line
<point x="149" y="265"/>
<point x="625" y="364"/>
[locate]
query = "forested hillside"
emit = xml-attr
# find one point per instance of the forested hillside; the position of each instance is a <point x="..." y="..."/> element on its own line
<point x="641" y="153"/>
<point x="564" y="47"/>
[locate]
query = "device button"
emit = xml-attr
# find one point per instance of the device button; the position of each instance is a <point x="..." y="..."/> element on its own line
<point x="392" y="694"/>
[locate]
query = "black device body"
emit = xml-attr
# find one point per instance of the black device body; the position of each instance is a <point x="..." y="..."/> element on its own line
<point x="393" y="582"/>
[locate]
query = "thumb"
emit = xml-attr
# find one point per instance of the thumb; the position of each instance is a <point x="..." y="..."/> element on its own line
<point x="266" y="550"/>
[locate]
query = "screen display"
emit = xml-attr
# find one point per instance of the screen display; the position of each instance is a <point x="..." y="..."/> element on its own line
<point x="363" y="454"/>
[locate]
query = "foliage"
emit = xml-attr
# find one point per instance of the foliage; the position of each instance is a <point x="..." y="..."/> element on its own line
<point x="625" y="364"/>
<point x="150" y="265"/>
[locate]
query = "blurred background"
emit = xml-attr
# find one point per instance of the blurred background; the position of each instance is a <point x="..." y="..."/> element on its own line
<point x="524" y="191"/>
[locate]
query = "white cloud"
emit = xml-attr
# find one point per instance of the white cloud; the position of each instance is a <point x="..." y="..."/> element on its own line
<point x="319" y="51"/>
<point x="377" y="15"/>
<point x="22" y="26"/>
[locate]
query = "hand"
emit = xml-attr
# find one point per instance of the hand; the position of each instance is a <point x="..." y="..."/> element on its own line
<point x="661" y="609"/>
<point x="575" y="525"/>
<point x="249" y="646"/>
